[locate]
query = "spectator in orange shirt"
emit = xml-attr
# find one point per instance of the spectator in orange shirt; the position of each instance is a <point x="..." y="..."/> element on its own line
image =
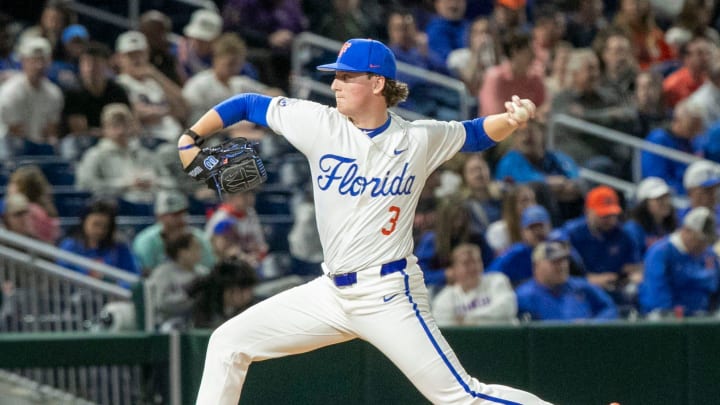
<point x="696" y="57"/>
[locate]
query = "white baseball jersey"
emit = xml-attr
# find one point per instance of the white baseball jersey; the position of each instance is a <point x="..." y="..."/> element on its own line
<point x="493" y="300"/>
<point x="365" y="189"/>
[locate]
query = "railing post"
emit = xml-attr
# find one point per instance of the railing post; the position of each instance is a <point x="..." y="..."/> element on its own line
<point x="175" y="364"/>
<point x="134" y="13"/>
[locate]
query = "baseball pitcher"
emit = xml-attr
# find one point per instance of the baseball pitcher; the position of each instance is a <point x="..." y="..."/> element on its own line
<point x="368" y="167"/>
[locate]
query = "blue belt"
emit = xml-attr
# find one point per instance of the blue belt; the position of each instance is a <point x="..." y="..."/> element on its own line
<point x="347" y="279"/>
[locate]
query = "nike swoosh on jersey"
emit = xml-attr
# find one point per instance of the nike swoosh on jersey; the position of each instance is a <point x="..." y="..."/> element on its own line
<point x="399" y="151"/>
<point x="387" y="298"/>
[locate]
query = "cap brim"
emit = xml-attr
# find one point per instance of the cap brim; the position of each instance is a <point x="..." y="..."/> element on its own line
<point x="609" y="210"/>
<point x="332" y="67"/>
<point x="558" y="256"/>
<point x="710" y="183"/>
<point x="535" y="222"/>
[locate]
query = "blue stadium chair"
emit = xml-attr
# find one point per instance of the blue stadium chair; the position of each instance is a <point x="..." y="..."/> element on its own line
<point x="273" y="173"/>
<point x="70" y="203"/>
<point x="58" y="171"/>
<point x="3" y="177"/>
<point x="151" y="142"/>
<point x="199" y="207"/>
<point x="38" y="149"/>
<point x="131" y="209"/>
<point x="277" y="228"/>
<point x="273" y="202"/>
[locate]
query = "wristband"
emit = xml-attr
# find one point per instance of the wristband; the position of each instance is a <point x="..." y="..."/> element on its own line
<point x="197" y="139"/>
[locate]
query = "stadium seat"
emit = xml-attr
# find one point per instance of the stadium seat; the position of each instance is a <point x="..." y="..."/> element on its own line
<point x="38" y="149"/>
<point x="277" y="228"/>
<point x="128" y="208"/>
<point x="58" y="171"/>
<point x="70" y="203"/>
<point x="273" y="202"/>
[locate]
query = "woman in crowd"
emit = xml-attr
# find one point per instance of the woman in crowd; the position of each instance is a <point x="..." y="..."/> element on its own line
<point x="32" y="183"/>
<point x="653" y="216"/>
<point x="506" y="231"/>
<point x="96" y="239"/>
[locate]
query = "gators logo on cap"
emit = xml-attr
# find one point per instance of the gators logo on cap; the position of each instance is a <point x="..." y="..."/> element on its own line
<point x="344" y="48"/>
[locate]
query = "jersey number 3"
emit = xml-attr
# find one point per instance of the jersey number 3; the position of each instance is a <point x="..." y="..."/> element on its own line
<point x="393" y="221"/>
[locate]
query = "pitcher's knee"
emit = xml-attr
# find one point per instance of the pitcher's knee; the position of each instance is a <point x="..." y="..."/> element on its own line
<point x="228" y="345"/>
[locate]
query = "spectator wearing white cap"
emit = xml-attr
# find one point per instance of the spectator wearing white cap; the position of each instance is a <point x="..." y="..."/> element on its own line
<point x="681" y="270"/>
<point x="194" y="50"/>
<point x="30" y="104"/>
<point x="653" y="215"/>
<point x="702" y="181"/>
<point x="171" y="210"/>
<point x="156" y="100"/>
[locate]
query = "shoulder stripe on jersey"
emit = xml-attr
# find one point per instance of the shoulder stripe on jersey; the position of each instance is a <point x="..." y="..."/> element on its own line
<point x="476" y="139"/>
<point x="247" y="106"/>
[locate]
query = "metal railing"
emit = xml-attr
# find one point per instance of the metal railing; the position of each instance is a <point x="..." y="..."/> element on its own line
<point x="307" y="44"/>
<point x="47" y="297"/>
<point x="638" y="146"/>
<point x="18" y="390"/>
<point x="133" y="15"/>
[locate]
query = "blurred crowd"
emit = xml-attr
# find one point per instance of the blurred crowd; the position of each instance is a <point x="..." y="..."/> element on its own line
<point x="514" y="234"/>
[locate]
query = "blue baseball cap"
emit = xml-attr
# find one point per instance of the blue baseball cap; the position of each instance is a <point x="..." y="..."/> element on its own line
<point x="534" y="214"/>
<point x="364" y="55"/>
<point x="224" y="226"/>
<point x="74" y="31"/>
<point x="558" y="235"/>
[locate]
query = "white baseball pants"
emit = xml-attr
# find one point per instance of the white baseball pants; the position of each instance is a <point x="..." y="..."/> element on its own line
<point x="390" y="312"/>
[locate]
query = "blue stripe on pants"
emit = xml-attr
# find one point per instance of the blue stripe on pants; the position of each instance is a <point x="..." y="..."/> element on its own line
<point x="440" y="352"/>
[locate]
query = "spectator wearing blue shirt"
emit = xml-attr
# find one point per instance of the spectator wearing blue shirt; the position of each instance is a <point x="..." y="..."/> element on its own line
<point x="611" y="258"/>
<point x="451" y="229"/>
<point x="516" y="262"/>
<point x="553" y="295"/>
<point x="682" y="270"/>
<point x="684" y="128"/>
<point x="447" y="30"/>
<point x="702" y="181"/>
<point x="65" y="71"/>
<point x="653" y="216"/>
<point x="530" y="162"/>
<point x="96" y="239"/>
<point x="411" y="46"/>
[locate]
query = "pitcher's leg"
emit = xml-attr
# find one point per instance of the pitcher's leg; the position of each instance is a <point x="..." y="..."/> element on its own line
<point x="406" y="333"/>
<point x="295" y="321"/>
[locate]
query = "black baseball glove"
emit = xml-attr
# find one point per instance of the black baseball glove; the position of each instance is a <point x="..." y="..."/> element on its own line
<point x="232" y="166"/>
